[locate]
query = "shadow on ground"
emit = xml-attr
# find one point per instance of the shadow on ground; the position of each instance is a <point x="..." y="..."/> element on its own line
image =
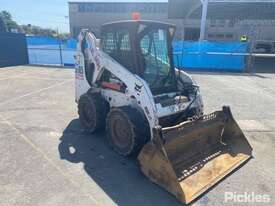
<point x="119" y="177"/>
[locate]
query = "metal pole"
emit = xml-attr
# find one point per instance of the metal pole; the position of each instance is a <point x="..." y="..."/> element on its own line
<point x="203" y="19"/>
<point x="60" y="52"/>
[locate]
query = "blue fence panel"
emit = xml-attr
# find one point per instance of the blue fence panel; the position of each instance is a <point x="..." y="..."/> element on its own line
<point x="42" y="40"/>
<point x="44" y="55"/>
<point x="187" y="55"/>
<point x="197" y="55"/>
<point x="47" y="50"/>
<point x="68" y="57"/>
<point x="71" y="43"/>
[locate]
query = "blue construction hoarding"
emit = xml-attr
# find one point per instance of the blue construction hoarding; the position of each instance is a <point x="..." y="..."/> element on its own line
<point x="51" y="51"/>
<point x="210" y="56"/>
<point x="213" y="56"/>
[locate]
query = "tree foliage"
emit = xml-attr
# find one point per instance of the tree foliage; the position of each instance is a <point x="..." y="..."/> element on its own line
<point x="6" y="17"/>
<point x="3" y="26"/>
<point x="7" y="24"/>
<point x="36" y="30"/>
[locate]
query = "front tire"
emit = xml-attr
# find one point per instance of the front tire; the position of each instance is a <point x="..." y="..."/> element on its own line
<point x="92" y="110"/>
<point x="127" y="130"/>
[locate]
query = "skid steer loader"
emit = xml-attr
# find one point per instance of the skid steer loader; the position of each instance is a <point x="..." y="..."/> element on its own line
<point x="127" y="84"/>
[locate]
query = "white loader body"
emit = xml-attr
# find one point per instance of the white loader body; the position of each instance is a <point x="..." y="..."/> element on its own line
<point x="137" y="94"/>
<point x="128" y="86"/>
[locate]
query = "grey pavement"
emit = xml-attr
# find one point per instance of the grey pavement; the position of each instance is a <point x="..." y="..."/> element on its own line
<point x="48" y="159"/>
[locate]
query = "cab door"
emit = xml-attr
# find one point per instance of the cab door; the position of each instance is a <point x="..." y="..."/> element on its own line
<point x="83" y="76"/>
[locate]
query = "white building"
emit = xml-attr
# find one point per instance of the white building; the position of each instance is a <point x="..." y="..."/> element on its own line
<point x="227" y="20"/>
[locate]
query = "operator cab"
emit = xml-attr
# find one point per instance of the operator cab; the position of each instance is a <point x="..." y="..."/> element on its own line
<point x="145" y="49"/>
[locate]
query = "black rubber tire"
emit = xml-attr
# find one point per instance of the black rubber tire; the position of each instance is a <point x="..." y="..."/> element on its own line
<point x="127" y="130"/>
<point x="93" y="110"/>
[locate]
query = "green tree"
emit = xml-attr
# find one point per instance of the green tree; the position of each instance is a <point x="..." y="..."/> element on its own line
<point x="7" y="19"/>
<point x="3" y="26"/>
<point x="6" y="24"/>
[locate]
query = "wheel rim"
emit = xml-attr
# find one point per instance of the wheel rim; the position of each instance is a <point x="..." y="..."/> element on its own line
<point x="121" y="133"/>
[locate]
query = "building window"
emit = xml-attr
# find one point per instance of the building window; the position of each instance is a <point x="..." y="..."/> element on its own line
<point x="229" y="36"/>
<point x="164" y="8"/>
<point x="81" y="8"/>
<point x="221" y="23"/>
<point x="212" y="23"/>
<point x="98" y="8"/>
<point x="191" y="34"/>
<point x="121" y="8"/>
<point x="154" y="8"/>
<point x="231" y="23"/>
<point x="210" y="36"/>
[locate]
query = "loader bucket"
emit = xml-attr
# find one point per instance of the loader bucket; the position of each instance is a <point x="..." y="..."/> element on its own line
<point x="189" y="158"/>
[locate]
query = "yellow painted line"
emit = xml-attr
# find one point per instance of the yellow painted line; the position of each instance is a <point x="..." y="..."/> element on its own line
<point x="49" y="160"/>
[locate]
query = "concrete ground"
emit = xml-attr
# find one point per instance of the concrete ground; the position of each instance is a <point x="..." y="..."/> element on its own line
<point x="47" y="159"/>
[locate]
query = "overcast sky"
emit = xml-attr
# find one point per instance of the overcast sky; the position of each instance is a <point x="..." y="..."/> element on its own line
<point x="45" y="13"/>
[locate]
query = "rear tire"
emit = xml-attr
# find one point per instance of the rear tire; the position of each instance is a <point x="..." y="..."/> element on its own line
<point x="92" y="110"/>
<point x="127" y="130"/>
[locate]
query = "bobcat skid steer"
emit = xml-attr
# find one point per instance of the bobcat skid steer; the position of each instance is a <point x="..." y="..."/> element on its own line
<point x="127" y="84"/>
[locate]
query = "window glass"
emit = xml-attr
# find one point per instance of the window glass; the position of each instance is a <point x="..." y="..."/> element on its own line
<point x="212" y="23"/>
<point x="81" y="8"/>
<point x="125" y="41"/>
<point x="229" y="36"/>
<point x="117" y="45"/>
<point x="220" y="36"/>
<point x="119" y="40"/>
<point x="231" y="23"/>
<point x="154" y="50"/>
<point x="109" y="44"/>
<point x="211" y="35"/>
